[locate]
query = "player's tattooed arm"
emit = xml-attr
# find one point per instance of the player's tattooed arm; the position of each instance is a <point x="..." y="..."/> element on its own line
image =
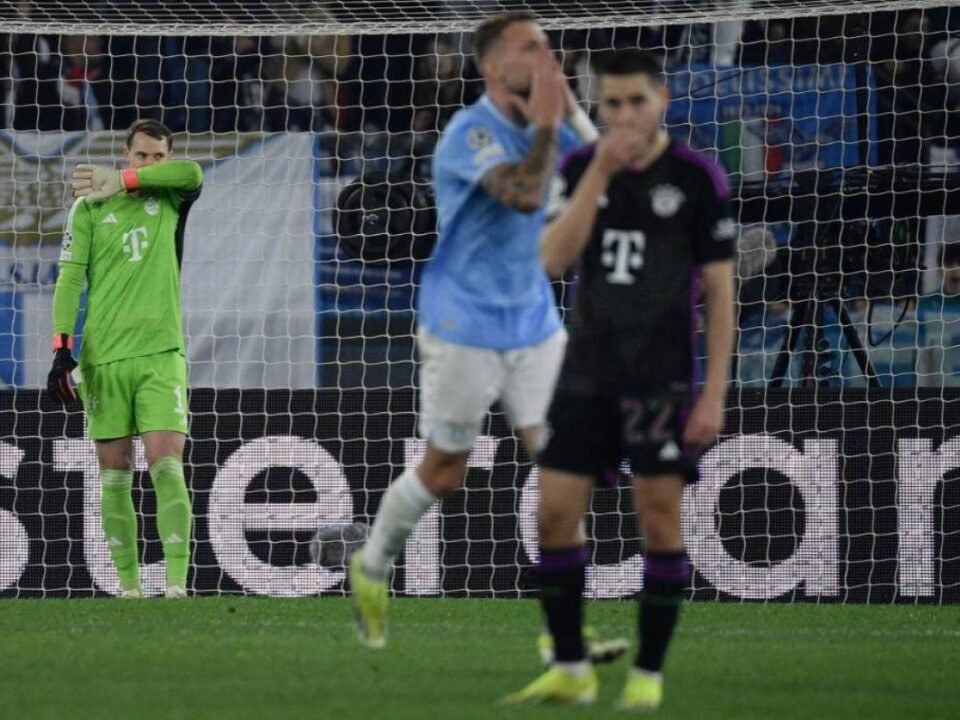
<point x="523" y="185"/>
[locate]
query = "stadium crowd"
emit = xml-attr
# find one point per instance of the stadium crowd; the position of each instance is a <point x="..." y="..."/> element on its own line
<point x="403" y="83"/>
<point x="393" y="94"/>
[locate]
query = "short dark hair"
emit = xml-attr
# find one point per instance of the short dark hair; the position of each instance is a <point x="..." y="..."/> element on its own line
<point x="629" y="61"/>
<point x="153" y="128"/>
<point x="489" y="31"/>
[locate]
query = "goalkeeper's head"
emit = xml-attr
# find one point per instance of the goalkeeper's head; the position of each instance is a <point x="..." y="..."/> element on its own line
<point x="632" y="91"/>
<point x="507" y="49"/>
<point x="148" y="142"/>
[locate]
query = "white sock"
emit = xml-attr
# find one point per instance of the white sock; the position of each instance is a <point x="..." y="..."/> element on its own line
<point x="658" y="676"/>
<point x="404" y="503"/>
<point x="577" y="669"/>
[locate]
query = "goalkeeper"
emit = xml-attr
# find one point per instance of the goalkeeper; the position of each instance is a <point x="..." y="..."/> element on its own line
<point x="124" y="237"/>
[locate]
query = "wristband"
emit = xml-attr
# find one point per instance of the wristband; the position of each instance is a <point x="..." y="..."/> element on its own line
<point x="129" y="179"/>
<point x="583" y="125"/>
<point x="62" y="340"/>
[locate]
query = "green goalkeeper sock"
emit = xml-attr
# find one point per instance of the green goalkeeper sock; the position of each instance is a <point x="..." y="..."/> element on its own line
<point x="120" y="524"/>
<point x="173" y="517"/>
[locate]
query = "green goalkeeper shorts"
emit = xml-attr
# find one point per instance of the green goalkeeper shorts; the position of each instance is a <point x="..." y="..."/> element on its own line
<point x="136" y="395"/>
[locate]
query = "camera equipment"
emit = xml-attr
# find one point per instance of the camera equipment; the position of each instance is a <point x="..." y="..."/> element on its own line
<point x="855" y="235"/>
<point x="383" y="216"/>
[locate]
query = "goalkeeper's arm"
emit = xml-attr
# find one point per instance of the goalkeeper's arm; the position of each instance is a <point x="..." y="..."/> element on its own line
<point x="66" y="298"/>
<point x="96" y="182"/>
<point x="66" y="305"/>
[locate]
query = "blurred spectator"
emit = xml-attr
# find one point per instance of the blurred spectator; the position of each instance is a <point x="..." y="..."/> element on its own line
<point x="950" y="269"/>
<point x="441" y="85"/>
<point x="236" y="78"/>
<point x="35" y="69"/>
<point x="84" y="83"/>
<point x="386" y="76"/>
<point x="303" y="82"/>
<point x="6" y="82"/>
<point x="761" y="269"/>
<point x="897" y="45"/>
<point x="765" y="42"/>
<point x="945" y="60"/>
<point x="307" y="79"/>
<point x="185" y="77"/>
<point x="580" y="48"/>
<point x="944" y="55"/>
<point x="801" y="41"/>
<point x="911" y="94"/>
<point x="132" y="95"/>
<point x="63" y="86"/>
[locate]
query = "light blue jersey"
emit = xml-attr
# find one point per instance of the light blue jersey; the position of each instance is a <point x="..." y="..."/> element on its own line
<point x="485" y="285"/>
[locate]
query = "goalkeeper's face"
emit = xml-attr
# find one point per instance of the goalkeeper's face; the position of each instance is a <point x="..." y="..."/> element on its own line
<point x="635" y="103"/>
<point x="516" y="55"/>
<point x="145" y="150"/>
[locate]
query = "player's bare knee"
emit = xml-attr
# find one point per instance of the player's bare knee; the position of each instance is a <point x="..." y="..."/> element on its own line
<point x="661" y="530"/>
<point x="116" y="463"/>
<point x="442" y="482"/>
<point x="115" y="454"/>
<point x="152" y="460"/>
<point x="534" y="439"/>
<point x="159" y="445"/>
<point x="162" y="453"/>
<point x="442" y="473"/>
<point x="558" y="527"/>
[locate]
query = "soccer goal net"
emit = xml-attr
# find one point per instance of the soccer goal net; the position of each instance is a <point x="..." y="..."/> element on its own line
<point x="836" y="476"/>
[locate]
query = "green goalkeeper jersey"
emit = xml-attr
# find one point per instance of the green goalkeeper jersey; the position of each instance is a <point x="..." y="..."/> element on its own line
<point x="129" y="247"/>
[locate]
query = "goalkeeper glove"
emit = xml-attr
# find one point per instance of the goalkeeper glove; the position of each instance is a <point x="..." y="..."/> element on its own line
<point x="58" y="381"/>
<point x="96" y="182"/>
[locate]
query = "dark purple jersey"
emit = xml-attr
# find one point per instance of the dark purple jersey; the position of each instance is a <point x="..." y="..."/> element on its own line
<point x="632" y="324"/>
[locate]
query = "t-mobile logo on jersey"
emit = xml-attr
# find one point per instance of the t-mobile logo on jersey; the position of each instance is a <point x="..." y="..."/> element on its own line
<point x="134" y="243"/>
<point x="623" y="252"/>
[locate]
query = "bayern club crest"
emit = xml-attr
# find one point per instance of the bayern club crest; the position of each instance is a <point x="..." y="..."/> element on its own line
<point x="665" y="200"/>
<point x="152" y="206"/>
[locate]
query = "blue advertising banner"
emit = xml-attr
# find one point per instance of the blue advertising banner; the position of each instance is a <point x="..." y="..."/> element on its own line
<point x="765" y="123"/>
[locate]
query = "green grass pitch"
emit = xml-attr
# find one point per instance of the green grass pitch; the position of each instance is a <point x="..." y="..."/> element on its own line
<point x="269" y="658"/>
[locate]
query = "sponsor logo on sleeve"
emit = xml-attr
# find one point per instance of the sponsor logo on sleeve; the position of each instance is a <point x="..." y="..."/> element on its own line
<point x="65" y="245"/>
<point x="479" y="137"/>
<point x="484" y="145"/>
<point x="725" y="229"/>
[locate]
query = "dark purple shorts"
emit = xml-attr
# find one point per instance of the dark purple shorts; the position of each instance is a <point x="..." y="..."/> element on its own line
<point x="594" y="435"/>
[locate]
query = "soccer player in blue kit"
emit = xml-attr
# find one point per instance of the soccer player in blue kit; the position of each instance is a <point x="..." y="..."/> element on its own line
<point x="489" y="328"/>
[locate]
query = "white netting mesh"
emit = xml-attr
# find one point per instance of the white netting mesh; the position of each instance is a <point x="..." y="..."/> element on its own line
<point x="252" y="17"/>
<point x="838" y="133"/>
